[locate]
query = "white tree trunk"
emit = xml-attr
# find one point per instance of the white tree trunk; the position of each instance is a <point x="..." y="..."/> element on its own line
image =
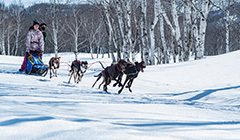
<point x="3" y="44"/>
<point x="18" y="17"/>
<point x="74" y="27"/>
<point x="17" y="37"/>
<point x="110" y="36"/>
<point x="2" y="37"/>
<point x="202" y="30"/>
<point x="227" y="24"/>
<point x="127" y="48"/>
<point x="177" y="29"/>
<point x="151" y="31"/>
<point x="144" y="31"/>
<point x="55" y="38"/>
<point x="121" y="24"/>
<point x="187" y="30"/>
<point x="161" y="28"/>
<point x="135" y="38"/>
<point x="194" y="28"/>
<point x="55" y="26"/>
<point x="8" y="41"/>
<point x="2" y="30"/>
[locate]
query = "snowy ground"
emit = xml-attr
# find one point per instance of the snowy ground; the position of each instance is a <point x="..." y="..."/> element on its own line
<point x="195" y="100"/>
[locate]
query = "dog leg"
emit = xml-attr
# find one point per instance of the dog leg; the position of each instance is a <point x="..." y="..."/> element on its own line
<point x="107" y="82"/>
<point x="101" y="84"/>
<point x="70" y="76"/>
<point x="75" y="77"/>
<point x="50" y="72"/>
<point x="99" y="77"/>
<point x="105" y="88"/>
<point x="118" y="81"/>
<point x="81" y="76"/>
<point x="129" y="85"/>
<point x="123" y="85"/>
<point x="55" y="72"/>
<point x="78" y="78"/>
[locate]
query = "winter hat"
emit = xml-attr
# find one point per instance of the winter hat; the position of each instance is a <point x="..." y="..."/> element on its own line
<point x="43" y="24"/>
<point x="35" y="22"/>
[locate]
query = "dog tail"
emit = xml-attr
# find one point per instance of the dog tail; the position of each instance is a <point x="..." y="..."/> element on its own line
<point x="99" y="76"/>
<point x="101" y="64"/>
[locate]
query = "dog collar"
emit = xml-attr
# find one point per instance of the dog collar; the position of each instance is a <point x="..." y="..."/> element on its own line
<point x="118" y="68"/>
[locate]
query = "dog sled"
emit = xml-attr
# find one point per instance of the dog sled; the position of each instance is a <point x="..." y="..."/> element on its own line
<point x="36" y="66"/>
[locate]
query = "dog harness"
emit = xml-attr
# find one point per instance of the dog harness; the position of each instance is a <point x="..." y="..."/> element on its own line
<point x="134" y="73"/>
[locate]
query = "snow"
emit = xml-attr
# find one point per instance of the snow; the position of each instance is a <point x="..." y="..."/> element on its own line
<point x="194" y="100"/>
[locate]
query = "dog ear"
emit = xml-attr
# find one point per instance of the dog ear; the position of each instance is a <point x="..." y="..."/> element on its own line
<point x="59" y="57"/>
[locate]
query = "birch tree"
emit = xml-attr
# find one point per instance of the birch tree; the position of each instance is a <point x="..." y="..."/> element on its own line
<point x="177" y="29"/>
<point x="227" y="24"/>
<point x="2" y="29"/>
<point x="145" y="47"/>
<point x="106" y="6"/>
<point x="174" y="29"/>
<point x="194" y="28"/>
<point x="123" y="42"/>
<point x="162" y="34"/>
<point x="136" y="26"/>
<point x="17" y="11"/>
<point x="74" y="24"/>
<point x="129" y="47"/>
<point x="124" y="12"/>
<point x="55" y="26"/>
<point x="226" y="6"/>
<point x="202" y="29"/>
<point x="151" y="31"/>
<point x="92" y="30"/>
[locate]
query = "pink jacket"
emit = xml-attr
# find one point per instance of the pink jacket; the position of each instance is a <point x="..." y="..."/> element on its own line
<point x="34" y="41"/>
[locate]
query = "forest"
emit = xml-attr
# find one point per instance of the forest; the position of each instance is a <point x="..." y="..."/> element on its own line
<point x="161" y="31"/>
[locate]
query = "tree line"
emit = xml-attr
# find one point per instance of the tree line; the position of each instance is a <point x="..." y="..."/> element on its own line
<point x="161" y="31"/>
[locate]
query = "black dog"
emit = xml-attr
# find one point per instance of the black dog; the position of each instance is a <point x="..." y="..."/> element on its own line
<point x="111" y="73"/>
<point x="132" y="72"/>
<point x="77" y="70"/>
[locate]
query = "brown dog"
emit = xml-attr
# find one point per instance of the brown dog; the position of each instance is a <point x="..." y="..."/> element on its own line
<point x="54" y="64"/>
<point x="111" y="73"/>
<point x="78" y="68"/>
<point x="132" y="72"/>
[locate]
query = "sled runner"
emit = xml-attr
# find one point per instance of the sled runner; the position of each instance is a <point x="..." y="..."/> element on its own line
<point x="35" y="65"/>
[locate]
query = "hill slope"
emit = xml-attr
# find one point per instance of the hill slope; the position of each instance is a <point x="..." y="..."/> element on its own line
<point x="191" y="100"/>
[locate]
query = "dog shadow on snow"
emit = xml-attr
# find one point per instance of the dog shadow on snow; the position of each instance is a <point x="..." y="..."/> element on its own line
<point x="22" y="120"/>
<point x="202" y="94"/>
<point x="193" y="100"/>
<point x="179" y="124"/>
<point x="41" y="118"/>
